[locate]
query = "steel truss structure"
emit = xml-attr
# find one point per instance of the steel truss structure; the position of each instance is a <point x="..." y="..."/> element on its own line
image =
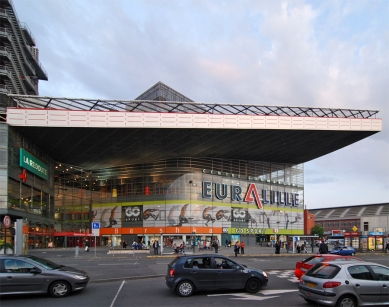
<point x="152" y="106"/>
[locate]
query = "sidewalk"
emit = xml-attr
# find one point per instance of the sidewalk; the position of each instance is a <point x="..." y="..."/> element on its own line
<point x="248" y="251"/>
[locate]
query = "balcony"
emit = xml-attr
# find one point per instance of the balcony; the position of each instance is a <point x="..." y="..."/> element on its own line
<point x="4" y="71"/>
<point x="32" y="55"/>
<point x="30" y="84"/>
<point x="4" y="89"/>
<point x="27" y="34"/>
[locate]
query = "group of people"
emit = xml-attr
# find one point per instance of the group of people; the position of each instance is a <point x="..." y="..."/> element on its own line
<point x="301" y="247"/>
<point x="179" y="249"/>
<point x="239" y="248"/>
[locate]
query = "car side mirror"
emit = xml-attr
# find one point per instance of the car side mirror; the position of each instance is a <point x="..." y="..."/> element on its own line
<point x="244" y="265"/>
<point x="35" y="270"/>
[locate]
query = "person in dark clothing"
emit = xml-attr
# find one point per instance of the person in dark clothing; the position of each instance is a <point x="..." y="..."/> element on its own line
<point x="156" y="246"/>
<point x="124" y="244"/>
<point x="87" y="245"/>
<point x="323" y="248"/>
<point x="278" y="247"/>
<point x="216" y="245"/>
<point x="236" y="249"/>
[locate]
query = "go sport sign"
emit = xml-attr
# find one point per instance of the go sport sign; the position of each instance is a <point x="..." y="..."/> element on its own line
<point x="251" y="194"/>
<point x="34" y="165"/>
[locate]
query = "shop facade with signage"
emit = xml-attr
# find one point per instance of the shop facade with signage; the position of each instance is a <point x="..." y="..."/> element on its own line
<point x="364" y="227"/>
<point x="195" y="204"/>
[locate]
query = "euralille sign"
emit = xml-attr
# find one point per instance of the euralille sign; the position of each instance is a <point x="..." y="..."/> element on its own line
<point x="251" y="195"/>
<point x="33" y="164"/>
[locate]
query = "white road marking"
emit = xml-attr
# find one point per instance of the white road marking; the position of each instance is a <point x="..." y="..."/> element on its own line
<point x="260" y="296"/>
<point x="114" y="299"/>
<point x="271" y="292"/>
<point x="128" y="263"/>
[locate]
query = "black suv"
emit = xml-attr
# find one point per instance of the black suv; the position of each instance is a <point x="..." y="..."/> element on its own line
<point x="186" y="274"/>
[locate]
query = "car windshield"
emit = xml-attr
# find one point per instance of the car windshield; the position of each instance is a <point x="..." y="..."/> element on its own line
<point x="323" y="271"/>
<point x="47" y="264"/>
<point x="315" y="260"/>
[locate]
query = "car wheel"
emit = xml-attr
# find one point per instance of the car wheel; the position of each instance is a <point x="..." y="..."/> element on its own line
<point x="253" y="285"/>
<point x="310" y="301"/>
<point x="352" y="254"/>
<point x="346" y="301"/>
<point x="59" y="289"/>
<point x="185" y="288"/>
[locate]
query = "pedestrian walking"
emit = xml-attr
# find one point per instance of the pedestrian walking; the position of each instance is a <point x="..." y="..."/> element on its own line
<point x="87" y="245"/>
<point x="323" y="248"/>
<point x="216" y="246"/>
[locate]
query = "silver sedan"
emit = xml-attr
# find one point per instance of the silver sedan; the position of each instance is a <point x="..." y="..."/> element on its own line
<point x="29" y="274"/>
<point x="346" y="284"/>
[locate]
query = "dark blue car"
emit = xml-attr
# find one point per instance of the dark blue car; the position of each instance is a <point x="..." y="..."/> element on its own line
<point x="343" y="250"/>
<point x="187" y="274"/>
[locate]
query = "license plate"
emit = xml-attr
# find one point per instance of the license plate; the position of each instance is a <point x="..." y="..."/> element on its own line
<point x="311" y="285"/>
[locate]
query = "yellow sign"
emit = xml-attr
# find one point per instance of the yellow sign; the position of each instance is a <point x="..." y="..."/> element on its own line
<point x="355" y="228"/>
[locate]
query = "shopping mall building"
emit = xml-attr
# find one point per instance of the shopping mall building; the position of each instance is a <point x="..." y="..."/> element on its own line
<point x="160" y="166"/>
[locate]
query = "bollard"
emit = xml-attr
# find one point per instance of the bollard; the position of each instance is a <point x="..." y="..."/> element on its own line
<point x="77" y="251"/>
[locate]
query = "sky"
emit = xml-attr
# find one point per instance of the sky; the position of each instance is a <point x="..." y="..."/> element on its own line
<point x="329" y="54"/>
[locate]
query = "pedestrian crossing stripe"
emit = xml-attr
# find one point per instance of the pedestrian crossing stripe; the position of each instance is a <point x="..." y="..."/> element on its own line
<point x="287" y="274"/>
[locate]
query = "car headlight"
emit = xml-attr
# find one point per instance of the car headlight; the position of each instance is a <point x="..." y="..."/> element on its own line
<point x="264" y="274"/>
<point x="80" y="277"/>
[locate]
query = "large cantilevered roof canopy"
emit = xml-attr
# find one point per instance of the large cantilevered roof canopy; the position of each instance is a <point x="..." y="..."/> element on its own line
<point x="95" y="134"/>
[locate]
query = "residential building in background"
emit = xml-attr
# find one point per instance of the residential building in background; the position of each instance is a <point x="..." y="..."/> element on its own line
<point x="20" y="69"/>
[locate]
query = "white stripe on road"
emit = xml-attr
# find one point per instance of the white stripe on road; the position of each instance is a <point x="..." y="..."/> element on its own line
<point x="117" y="264"/>
<point x="121" y="286"/>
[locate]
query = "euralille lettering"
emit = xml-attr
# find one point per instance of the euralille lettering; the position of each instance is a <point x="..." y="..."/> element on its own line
<point x="251" y="194"/>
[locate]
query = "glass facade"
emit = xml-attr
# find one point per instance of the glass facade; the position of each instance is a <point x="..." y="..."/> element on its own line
<point x="168" y="197"/>
<point x="177" y="197"/>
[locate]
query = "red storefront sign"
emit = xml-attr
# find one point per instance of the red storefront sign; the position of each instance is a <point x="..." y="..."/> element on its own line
<point x="355" y="234"/>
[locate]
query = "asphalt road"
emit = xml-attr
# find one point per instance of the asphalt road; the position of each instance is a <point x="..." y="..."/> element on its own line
<point x="137" y="279"/>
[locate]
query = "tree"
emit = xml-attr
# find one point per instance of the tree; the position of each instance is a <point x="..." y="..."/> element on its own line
<point x="317" y="230"/>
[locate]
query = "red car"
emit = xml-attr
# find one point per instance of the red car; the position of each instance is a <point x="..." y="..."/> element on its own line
<point x="303" y="266"/>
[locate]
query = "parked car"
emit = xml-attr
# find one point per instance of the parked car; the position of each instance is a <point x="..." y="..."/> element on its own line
<point x="190" y="273"/>
<point x="26" y="274"/>
<point x="346" y="283"/>
<point x="343" y="250"/>
<point x="303" y="266"/>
